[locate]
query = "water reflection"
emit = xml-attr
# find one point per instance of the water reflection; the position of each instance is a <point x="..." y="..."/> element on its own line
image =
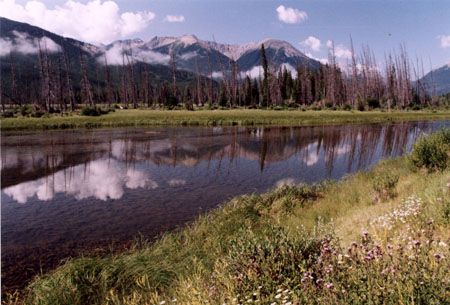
<point x="69" y="190"/>
<point x="100" y="163"/>
<point x="101" y="179"/>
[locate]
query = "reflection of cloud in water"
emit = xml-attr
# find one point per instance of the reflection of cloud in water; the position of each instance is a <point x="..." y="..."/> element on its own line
<point x="100" y="179"/>
<point x="343" y="149"/>
<point x="176" y="182"/>
<point x="285" y="181"/>
<point x="312" y="156"/>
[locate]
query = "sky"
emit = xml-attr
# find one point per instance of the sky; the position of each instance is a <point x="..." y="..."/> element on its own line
<point x="422" y="26"/>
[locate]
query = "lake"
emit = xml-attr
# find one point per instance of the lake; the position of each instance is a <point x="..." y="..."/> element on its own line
<point x="66" y="193"/>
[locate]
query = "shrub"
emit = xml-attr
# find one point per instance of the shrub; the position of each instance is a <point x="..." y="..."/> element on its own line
<point x="346" y="107"/>
<point x="328" y="104"/>
<point x="25" y="110"/>
<point x="93" y="111"/>
<point x="416" y="107"/>
<point x="90" y="111"/>
<point x="431" y="151"/>
<point x="361" y="106"/>
<point x="373" y="103"/>
<point x="38" y="113"/>
<point x="8" y="114"/>
<point x="384" y="185"/>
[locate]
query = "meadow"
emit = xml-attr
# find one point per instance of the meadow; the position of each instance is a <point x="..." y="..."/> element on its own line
<point x="243" y="117"/>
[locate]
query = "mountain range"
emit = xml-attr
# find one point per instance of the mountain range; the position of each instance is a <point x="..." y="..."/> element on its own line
<point x="438" y="81"/>
<point x="192" y="55"/>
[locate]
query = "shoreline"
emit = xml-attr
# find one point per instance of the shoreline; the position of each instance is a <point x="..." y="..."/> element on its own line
<point x="210" y="118"/>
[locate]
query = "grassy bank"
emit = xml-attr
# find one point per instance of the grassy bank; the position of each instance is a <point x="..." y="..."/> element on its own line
<point x="122" y="118"/>
<point x="376" y="237"/>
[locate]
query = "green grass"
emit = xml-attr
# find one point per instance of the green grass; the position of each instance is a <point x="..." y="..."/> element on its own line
<point x="122" y="118"/>
<point x="329" y="243"/>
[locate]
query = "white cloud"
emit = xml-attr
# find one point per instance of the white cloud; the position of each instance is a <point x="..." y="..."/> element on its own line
<point x="100" y="179"/>
<point x="445" y="41"/>
<point x="217" y="75"/>
<point x="25" y="44"/>
<point x="188" y="55"/>
<point x="94" y="21"/>
<point x="255" y="72"/>
<point x="151" y="57"/>
<point x="114" y="56"/>
<point x="322" y="60"/>
<point x="340" y="51"/>
<point x="291" y="15"/>
<point x="174" y="18"/>
<point x="291" y="69"/>
<point x="313" y="42"/>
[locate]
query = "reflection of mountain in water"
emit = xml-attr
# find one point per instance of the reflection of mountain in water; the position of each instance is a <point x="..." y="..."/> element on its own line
<point x="68" y="154"/>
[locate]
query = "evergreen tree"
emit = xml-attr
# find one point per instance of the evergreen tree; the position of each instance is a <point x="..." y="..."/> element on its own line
<point x="248" y="91"/>
<point x="223" y="101"/>
<point x="266" y="93"/>
<point x="255" y="93"/>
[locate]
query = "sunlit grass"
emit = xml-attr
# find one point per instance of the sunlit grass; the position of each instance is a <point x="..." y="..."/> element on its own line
<point x="248" y="117"/>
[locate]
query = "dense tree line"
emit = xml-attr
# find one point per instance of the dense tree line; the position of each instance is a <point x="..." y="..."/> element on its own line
<point x="360" y="84"/>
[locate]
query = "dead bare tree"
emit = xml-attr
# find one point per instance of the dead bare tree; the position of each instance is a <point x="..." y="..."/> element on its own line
<point x="70" y="95"/>
<point x="109" y="96"/>
<point x="14" y="93"/>
<point x="210" y="87"/>
<point x="132" y="88"/>
<point x="174" y="73"/>
<point x="86" y="94"/>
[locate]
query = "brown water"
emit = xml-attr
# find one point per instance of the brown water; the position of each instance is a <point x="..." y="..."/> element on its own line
<point x="65" y="193"/>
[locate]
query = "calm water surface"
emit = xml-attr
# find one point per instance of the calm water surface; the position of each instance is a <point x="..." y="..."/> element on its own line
<point x="67" y="192"/>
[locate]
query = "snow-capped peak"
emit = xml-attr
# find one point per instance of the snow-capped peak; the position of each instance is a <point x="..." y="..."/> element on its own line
<point x="188" y="39"/>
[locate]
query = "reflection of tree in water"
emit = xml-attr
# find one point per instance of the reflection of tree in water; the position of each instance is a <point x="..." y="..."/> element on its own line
<point x="31" y="157"/>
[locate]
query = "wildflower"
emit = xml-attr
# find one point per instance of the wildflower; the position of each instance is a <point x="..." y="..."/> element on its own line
<point x="278" y="296"/>
<point x="416" y="243"/>
<point x="329" y="285"/>
<point x="344" y="291"/>
<point x="354" y="244"/>
<point x="442" y="244"/>
<point x="439" y="199"/>
<point x="389" y="246"/>
<point x="439" y="256"/>
<point x="259" y="287"/>
<point x="318" y="281"/>
<point x="255" y="294"/>
<point x="365" y="233"/>
<point x="448" y="184"/>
